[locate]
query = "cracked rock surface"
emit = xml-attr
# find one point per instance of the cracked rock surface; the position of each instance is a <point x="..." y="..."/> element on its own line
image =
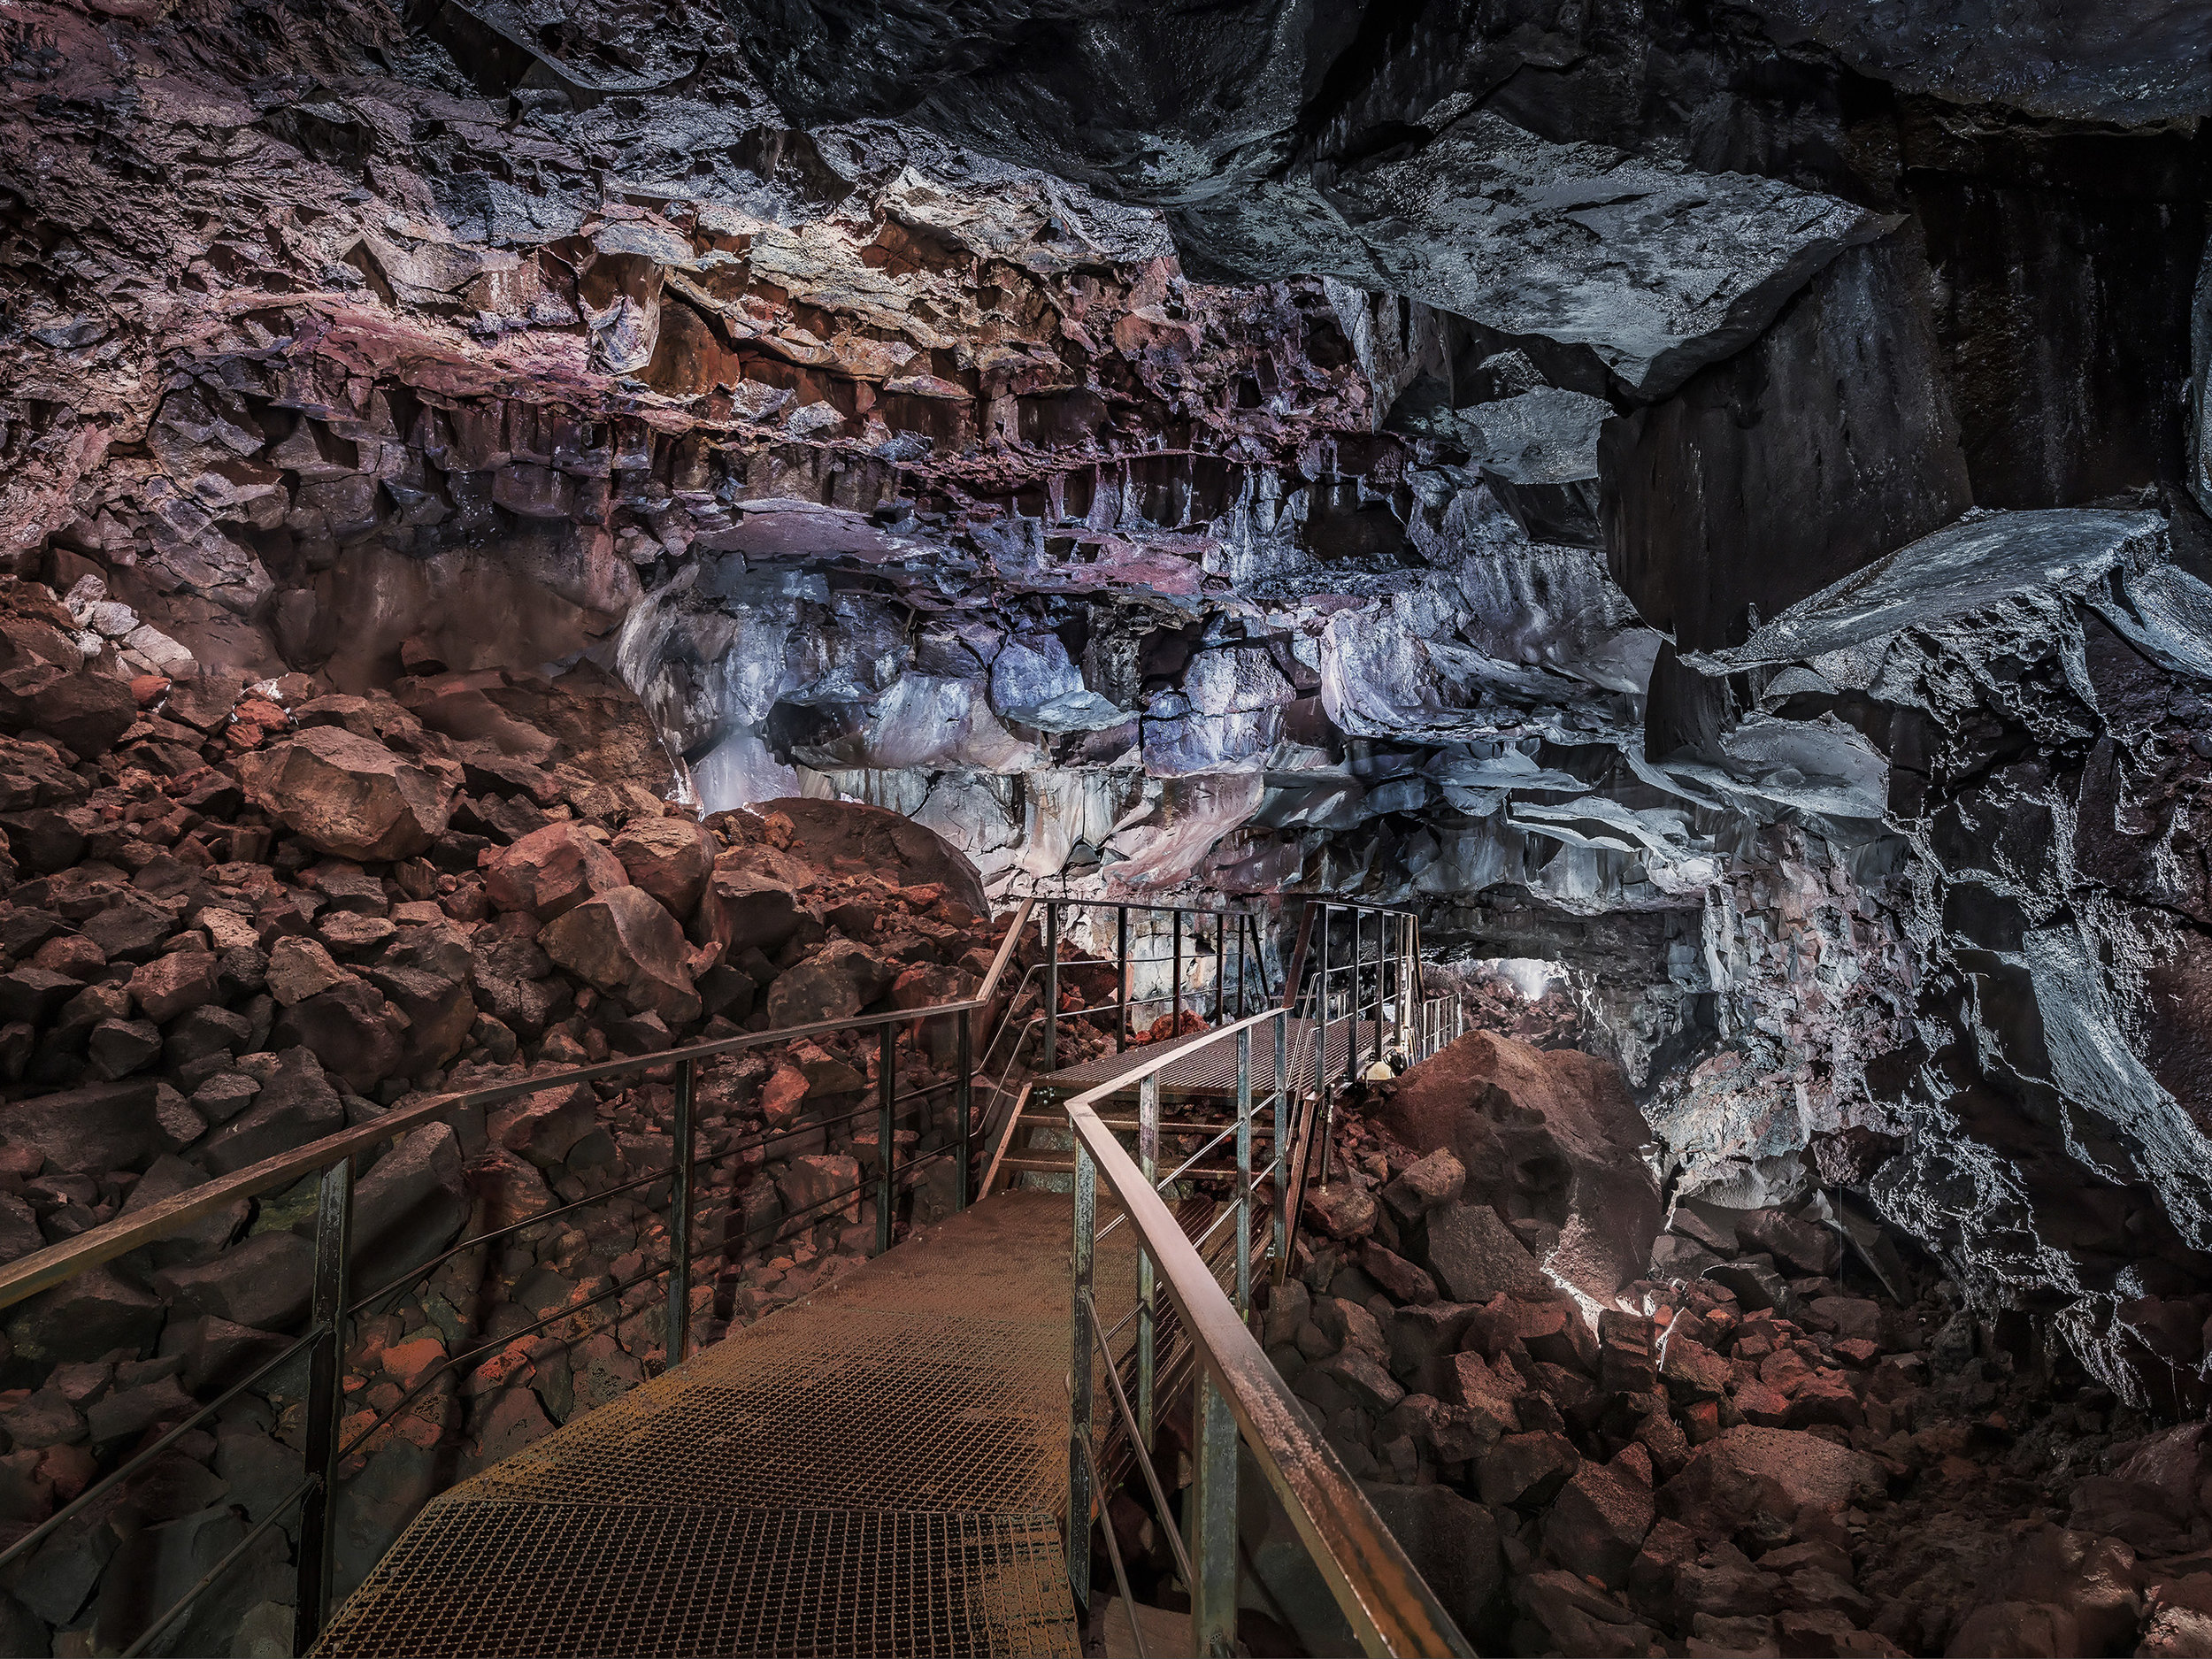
<point x="1707" y="503"/>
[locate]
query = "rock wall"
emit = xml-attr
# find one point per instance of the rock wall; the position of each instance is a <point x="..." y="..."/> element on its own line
<point x="1370" y="451"/>
<point x="241" y="916"/>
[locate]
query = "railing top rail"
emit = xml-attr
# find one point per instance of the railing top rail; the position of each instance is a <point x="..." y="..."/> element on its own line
<point x="58" y="1263"/>
<point x="1392" y="1610"/>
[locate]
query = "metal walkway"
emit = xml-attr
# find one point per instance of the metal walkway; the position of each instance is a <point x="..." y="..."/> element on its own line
<point x="881" y="1468"/>
<point x="1209" y="1074"/>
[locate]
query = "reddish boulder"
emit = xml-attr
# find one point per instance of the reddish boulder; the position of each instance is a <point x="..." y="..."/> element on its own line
<point x="351" y="1028"/>
<point x="1552" y="1136"/>
<point x="348" y="795"/>
<point x="87" y="711"/>
<point x="1342" y="1209"/>
<point x="1596" y="1524"/>
<point x="171" y="984"/>
<point x="2017" y="1630"/>
<point x="890" y="846"/>
<point x="1749" y="1469"/>
<point x="628" y="945"/>
<point x="745" y="907"/>
<point x="669" y="857"/>
<point x="299" y="968"/>
<point x="550" y="872"/>
<point x="836" y="981"/>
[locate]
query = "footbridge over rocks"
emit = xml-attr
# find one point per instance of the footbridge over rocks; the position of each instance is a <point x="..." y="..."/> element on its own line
<point x="924" y="1455"/>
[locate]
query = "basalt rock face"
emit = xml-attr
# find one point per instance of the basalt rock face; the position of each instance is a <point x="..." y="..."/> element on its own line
<point x="1530" y="465"/>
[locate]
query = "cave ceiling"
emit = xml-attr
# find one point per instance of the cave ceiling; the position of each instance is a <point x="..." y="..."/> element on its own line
<point x="1699" y="493"/>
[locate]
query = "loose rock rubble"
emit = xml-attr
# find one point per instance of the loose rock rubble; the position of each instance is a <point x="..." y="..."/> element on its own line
<point x="1753" y="1448"/>
<point x="242" y="916"/>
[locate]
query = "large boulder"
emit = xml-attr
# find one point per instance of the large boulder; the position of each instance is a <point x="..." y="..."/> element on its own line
<point x="746" y="906"/>
<point x="352" y="1029"/>
<point x="891" y="847"/>
<point x="1452" y="1543"/>
<point x="1749" y="1469"/>
<point x="296" y="1104"/>
<point x="550" y="872"/>
<point x="835" y="983"/>
<point x="86" y="710"/>
<point x="627" y="945"/>
<point x="669" y="857"/>
<point x="83" y="1318"/>
<point x="408" y="1207"/>
<point x="90" y="1131"/>
<point x="1549" y="1136"/>
<point x="348" y="795"/>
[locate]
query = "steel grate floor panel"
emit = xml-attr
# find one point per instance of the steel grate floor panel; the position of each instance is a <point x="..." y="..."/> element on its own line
<point x="791" y="1419"/>
<point x="880" y="1468"/>
<point x="484" y="1576"/>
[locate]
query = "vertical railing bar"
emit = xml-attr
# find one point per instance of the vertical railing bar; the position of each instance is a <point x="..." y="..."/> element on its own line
<point x="325" y="1401"/>
<point x="680" y="1209"/>
<point x="1280" y="1157"/>
<point x="1175" y="1002"/>
<point x="1079" y="1381"/>
<point x="1244" y="921"/>
<point x="1221" y="964"/>
<point x="1148" y="1162"/>
<point x="886" y="1134"/>
<point x="963" y="1106"/>
<point x="1213" y="1511"/>
<point x="1052" y="986"/>
<point x="1244" y="1171"/>
<point x="1113" y="1556"/>
<point x="1382" y="949"/>
<point x="1121" y="978"/>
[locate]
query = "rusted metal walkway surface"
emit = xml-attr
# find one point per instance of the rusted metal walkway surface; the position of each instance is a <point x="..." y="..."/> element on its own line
<point x="881" y="1468"/>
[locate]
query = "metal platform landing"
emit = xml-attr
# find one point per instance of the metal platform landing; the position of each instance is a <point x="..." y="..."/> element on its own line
<point x="878" y="1469"/>
<point x="1212" y="1073"/>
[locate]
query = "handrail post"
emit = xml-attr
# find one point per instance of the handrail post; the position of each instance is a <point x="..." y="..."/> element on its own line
<point x="1148" y="1162"/>
<point x="963" y="1106"/>
<point x="1221" y="964"/>
<point x="1121" y="978"/>
<point x="1321" y="1003"/>
<point x="679" y="1217"/>
<point x="887" y="1136"/>
<point x="1175" y="954"/>
<point x="1280" y="1159"/>
<point x="1241" y="919"/>
<point x="1382" y="949"/>
<point x="325" y="1402"/>
<point x="1080" y="1383"/>
<point x="1052" y="986"/>
<point x="1244" y="1169"/>
<point x="1213" y="1542"/>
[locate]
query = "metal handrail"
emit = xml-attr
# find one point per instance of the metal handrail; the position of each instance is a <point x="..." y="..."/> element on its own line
<point x="333" y="1156"/>
<point x="42" y="1270"/>
<point x="1391" y="1610"/>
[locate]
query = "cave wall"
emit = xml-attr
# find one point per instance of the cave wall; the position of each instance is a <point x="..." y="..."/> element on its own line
<point x="1529" y="463"/>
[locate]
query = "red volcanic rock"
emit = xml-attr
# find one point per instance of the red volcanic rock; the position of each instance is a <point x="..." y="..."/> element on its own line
<point x="550" y="872"/>
<point x="348" y="795"/>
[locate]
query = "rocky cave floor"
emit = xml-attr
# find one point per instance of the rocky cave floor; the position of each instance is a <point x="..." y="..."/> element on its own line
<point x="243" y="916"/>
<point x="1793" y="1444"/>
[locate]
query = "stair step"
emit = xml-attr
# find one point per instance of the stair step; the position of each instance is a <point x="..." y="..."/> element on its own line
<point x="1065" y="1165"/>
<point x="1130" y="1125"/>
